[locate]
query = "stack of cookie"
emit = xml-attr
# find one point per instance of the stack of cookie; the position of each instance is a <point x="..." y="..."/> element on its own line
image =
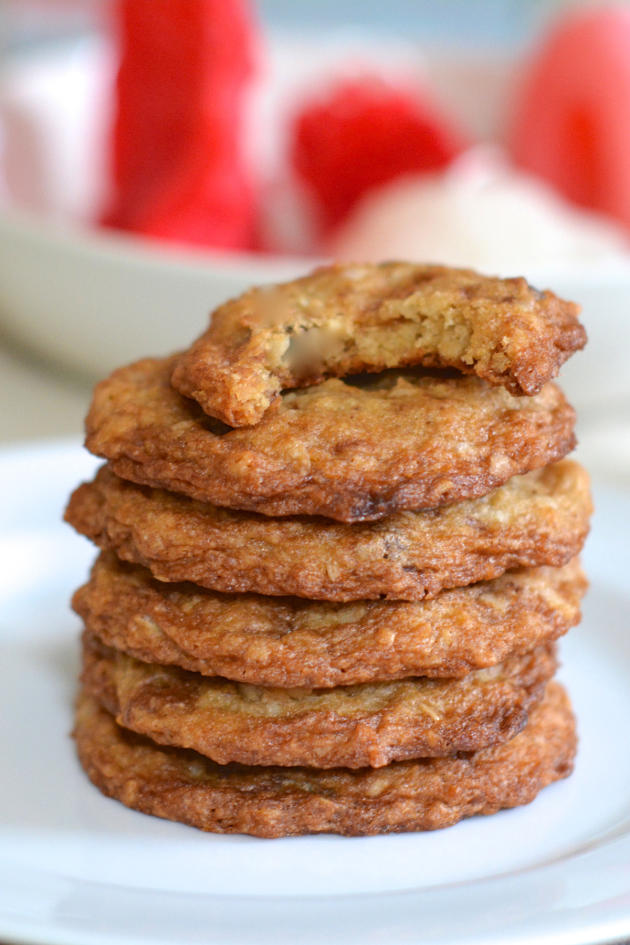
<point x="339" y="540"/>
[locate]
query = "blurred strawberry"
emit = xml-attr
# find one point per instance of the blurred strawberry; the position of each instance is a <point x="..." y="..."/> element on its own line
<point x="364" y="133"/>
<point x="178" y="168"/>
<point x="572" y="120"/>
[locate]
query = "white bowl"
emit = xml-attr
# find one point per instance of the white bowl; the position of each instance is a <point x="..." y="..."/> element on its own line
<point x="597" y="379"/>
<point x="90" y="299"/>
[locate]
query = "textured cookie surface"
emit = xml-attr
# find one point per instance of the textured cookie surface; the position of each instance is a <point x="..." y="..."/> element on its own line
<point x="274" y="802"/>
<point x="370" y="724"/>
<point x="275" y="641"/>
<point x="538" y="519"/>
<point x="346" y="451"/>
<point x="342" y="320"/>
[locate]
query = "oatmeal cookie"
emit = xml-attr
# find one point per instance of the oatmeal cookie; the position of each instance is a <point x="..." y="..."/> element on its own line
<point x="280" y="641"/>
<point x="345" y="319"/>
<point x="347" y="452"/>
<point x="538" y="519"/>
<point x="181" y="785"/>
<point x="367" y="725"/>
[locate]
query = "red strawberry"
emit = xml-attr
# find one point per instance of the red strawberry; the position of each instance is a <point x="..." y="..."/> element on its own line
<point x="364" y="133"/>
<point x="177" y="165"/>
<point x="572" y="122"/>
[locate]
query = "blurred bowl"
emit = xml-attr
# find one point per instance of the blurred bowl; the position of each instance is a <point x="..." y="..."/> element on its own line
<point x="91" y="300"/>
<point x="597" y="379"/>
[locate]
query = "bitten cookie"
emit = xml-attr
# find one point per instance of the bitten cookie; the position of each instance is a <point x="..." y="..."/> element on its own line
<point x="342" y="320"/>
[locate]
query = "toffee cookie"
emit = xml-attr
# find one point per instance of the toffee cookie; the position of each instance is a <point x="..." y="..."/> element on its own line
<point x="342" y="320"/>
<point x="348" y="451"/>
<point x="278" y="641"/>
<point x="538" y="519"/>
<point x="181" y="785"/>
<point x="371" y="724"/>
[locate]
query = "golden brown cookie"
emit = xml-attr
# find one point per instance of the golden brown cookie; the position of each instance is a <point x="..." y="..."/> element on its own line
<point x="280" y="641"/>
<point x="538" y="519"/>
<point x="278" y="802"/>
<point x="368" y="725"/>
<point x="345" y="319"/>
<point x="346" y="451"/>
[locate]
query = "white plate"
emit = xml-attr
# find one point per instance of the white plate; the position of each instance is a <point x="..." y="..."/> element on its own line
<point x="76" y="867"/>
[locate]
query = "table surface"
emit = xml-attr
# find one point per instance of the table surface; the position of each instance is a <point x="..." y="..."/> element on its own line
<point x="40" y="400"/>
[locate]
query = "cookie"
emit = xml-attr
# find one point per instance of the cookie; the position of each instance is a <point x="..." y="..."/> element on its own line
<point x="538" y="519"/>
<point x="370" y="724"/>
<point x="278" y="641"/>
<point x="181" y="785"/>
<point x="346" y="450"/>
<point x="346" y="319"/>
